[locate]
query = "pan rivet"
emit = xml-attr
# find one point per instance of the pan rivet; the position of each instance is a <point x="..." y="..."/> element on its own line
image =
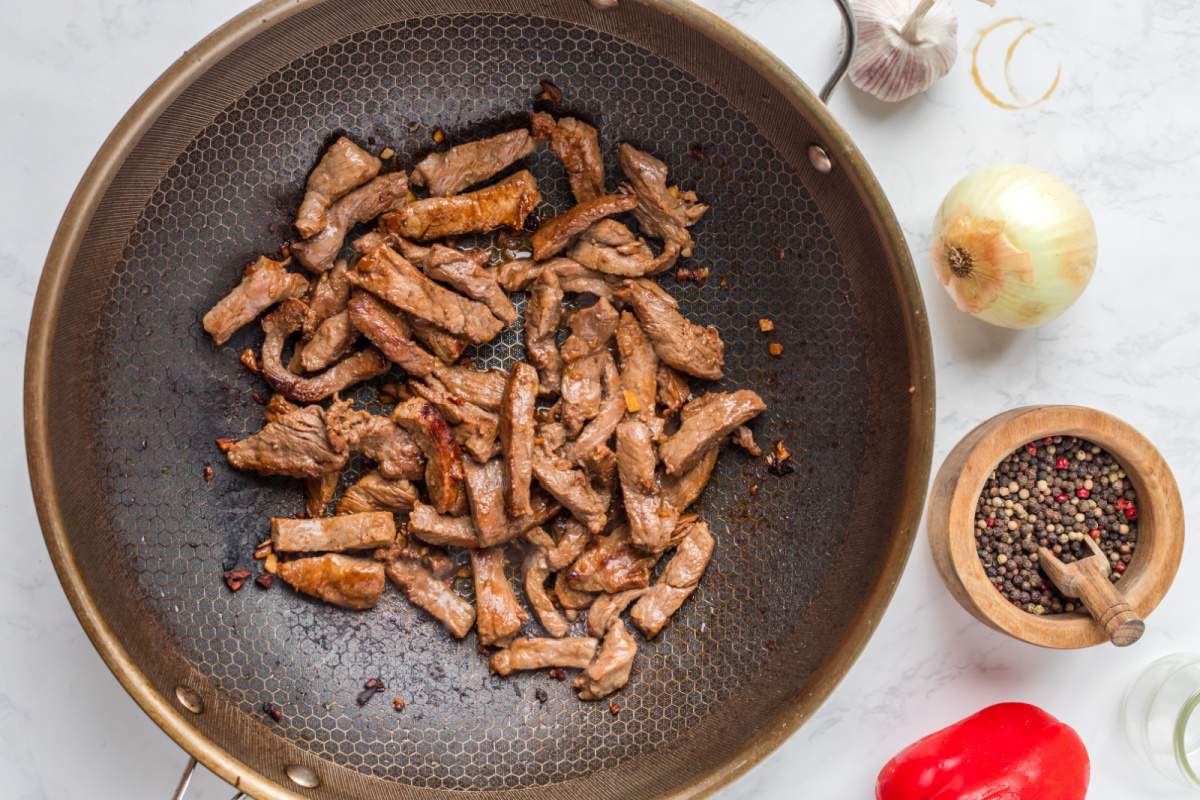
<point x="303" y="776"/>
<point x="189" y="699"/>
<point x="603" y="4"/>
<point x="819" y="158"/>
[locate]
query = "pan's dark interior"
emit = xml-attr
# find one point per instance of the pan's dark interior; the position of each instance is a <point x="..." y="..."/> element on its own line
<point x="143" y="395"/>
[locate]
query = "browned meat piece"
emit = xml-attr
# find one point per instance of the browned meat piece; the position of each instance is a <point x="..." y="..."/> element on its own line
<point x="516" y="435"/>
<point x="611" y="248"/>
<point x="591" y="330"/>
<point x="600" y="429"/>
<point x="651" y="518"/>
<point x="343" y="167"/>
<point x="328" y="296"/>
<point x="279" y="407"/>
<point x="610" y="671"/>
<point x="554" y="235"/>
<point x="612" y="564"/>
<point x="385" y="193"/>
<point x="502" y="205"/>
<point x="534" y="571"/>
<point x="378" y="438"/>
<point x="468" y="164"/>
<point x="264" y="283"/>
<point x="295" y="445"/>
<point x="446" y="346"/>
<point x="639" y="367"/>
<point x="543" y="314"/>
<point x="282" y="323"/>
<point x="426" y="591"/>
<point x="483" y="388"/>
<point x="373" y="492"/>
<point x="608" y="608"/>
<point x="570" y="487"/>
<point x="552" y="434"/>
<point x="581" y="390"/>
<point x="573" y="537"/>
<point x="348" y="532"/>
<point x="498" y="616"/>
<point x="389" y="332"/>
<point x="435" y="559"/>
<point x="443" y="457"/>
<point x="425" y="523"/>
<point x="465" y="272"/>
<point x="575" y="652"/>
<point x="333" y="339"/>
<point x="679" y="342"/>
<point x="743" y="437"/>
<point x="485" y="493"/>
<point x="519" y="275"/>
<point x="664" y="213"/>
<point x="386" y="274"/>
<point x="673" y="390"/>
<point x="475" y="430"/>
<point x="682" y="490"/>
<point x="318" y="492"/>
<point x="545" y="508"/>
<point x="568" y="598"/>
<point x="355" y="583"/>
<point x="677" y="582"/>
<point x="577" y="146"/>
<point x="705" y="422"/>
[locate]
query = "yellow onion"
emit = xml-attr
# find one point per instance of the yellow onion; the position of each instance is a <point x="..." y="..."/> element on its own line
<point x="1014" y="246"/>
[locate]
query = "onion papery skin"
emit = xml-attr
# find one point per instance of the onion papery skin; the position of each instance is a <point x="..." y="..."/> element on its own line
<point x="1014" y="246"/>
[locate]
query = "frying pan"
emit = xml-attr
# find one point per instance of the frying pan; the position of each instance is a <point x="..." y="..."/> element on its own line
<point x="125" y="396"/>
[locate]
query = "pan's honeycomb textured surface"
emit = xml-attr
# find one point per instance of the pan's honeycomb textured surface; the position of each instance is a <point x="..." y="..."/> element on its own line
<point x="166" y="393"/>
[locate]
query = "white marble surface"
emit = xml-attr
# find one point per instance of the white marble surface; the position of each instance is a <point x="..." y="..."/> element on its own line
<point x="1122" y="129"/>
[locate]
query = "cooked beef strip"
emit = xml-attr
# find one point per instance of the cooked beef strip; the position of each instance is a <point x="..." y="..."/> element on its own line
<point x="467" y="164"/>
<point x="443" y="457"/>
<point x="610" y="671"/>
<point x="333" y="339"/>
<point x="475" y="430"/>
<point x="448" y="347"/>
<point x="279" y="407"/>
<point x="575" y="652"/>
<point x="679" y="342"/>
<point x="545" y="508"/>
<point x="426" y="591"/>
<point x="286" y="320"/>
<point x="573" y="537"/>
<point x="608" y="608"/>
<point x="425" y="523"/>
<point x="465" y="272"/>
<point x="543" y="314"/>
<point x="581" y="390"/>
<point x="516" y="435"/>
<point x="611" y="248"/>
<point x="713" y="417"/>
<point x="435" y="559"/>
<point x="355" y="583"/>
<point x="601" y="427"/>
<point x="378" y="438"/>
<point x="552" y="434"/>
<point x="373" y="492"/>
<point x="664" y="213"/>
<point x="569" y="598"/>
<point x="682" y="490"/>
<point x="673" y="390"/>
<point x="612" y="564"/>
<point x="535" y="569"/>
<point x="387" y="274"/>
<point x="329" y="294"/>
<point x="295" y="445"/>
<point x="484" y="388"/>
<point x="743" y="437"/>
<point x="390" y="332"/>
<point x="639" y="366"/>
<point x="485" y="495"/>
<point x="502" y="205"/>
<point x="591" y="330"/>
<point x="343" y="167"/>
<point x="264" y="283"/>
<point x="498" y="615"/>
<point x="570" y="487"/>
<point x="347" y="532"/>
<point x="577" y="146"/>
<point x="651" y="518"/>
<point x="318" y="492"/>
<point x="554" y="235"/>
<point x="385" y="193"/>
<point x="676" y="583"/>
<point x="520" y="275"/>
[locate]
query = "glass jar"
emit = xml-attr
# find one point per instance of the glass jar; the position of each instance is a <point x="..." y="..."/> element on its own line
<point x="1161" y="717"/>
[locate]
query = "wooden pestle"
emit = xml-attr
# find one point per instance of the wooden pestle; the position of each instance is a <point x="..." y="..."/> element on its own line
<point x="1087" y="580"/>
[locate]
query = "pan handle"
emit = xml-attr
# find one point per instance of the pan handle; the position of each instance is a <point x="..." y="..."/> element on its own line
<point x="843" y="65"/>
<point x="186" y="778"/>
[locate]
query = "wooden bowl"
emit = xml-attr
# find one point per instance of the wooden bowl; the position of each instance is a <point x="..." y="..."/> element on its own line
<point x="960" y="481"/>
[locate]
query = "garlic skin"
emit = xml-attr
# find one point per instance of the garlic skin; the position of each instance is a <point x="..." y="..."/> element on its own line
<point x="1014" y="246"/>
<point x="903" y="46"/>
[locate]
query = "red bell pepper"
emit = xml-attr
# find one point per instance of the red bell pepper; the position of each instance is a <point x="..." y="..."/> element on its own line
<point x="1010" y="751"/>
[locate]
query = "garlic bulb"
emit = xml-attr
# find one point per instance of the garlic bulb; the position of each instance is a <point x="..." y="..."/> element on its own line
<point x="903" y="46"/>
<point x="1014" y="246"/>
